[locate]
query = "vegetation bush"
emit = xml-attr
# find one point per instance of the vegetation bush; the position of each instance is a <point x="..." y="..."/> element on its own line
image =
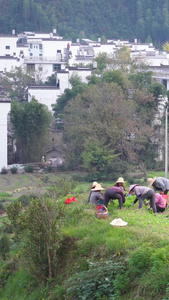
<point x="14" y="170"/>
<point x="4" y="171"/>
<point x="62" y="188"/>
<point x="49" y="168"/>
<point x="140" y="261"/>
<point x="8" y="228"/>
<point x="25" y="199"/>
<point x="1" y="206"/>
<point x="95" y="283"/>
<point x="29" y="168"/>
<point x="4" y="246"/>
<point x="80" y="177"/>
<point x="38" y="227"/>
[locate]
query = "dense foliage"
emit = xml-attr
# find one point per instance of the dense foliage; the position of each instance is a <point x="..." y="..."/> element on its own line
<point x="110" y="120"/>
<point x="30" y="122"/>
<point x="144" y="20"/>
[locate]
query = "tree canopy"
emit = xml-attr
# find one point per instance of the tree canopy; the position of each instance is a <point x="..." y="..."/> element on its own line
<point x="111" y="118"/>
<point x="145" y="20"/>
<point x="31" y="123"/>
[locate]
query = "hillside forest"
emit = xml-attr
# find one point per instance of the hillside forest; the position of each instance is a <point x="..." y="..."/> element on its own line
<point x="148" y="21"/>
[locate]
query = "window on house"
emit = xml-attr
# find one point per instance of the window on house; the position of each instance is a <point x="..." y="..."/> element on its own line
<point x="30" y="46"/>
<point x="31" y="54"/>
<point x="56" y="67"/>
<point x="40" y="54"/>
<point x="7" y="47"/>
<point x="58" y="51"/>
<point x="165" y="82"/>
<point x="31" y="67"/>
<point x="40" y="46"/>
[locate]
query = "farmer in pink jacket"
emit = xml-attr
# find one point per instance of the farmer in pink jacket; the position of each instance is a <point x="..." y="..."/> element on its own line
<point x="160" y="202"/>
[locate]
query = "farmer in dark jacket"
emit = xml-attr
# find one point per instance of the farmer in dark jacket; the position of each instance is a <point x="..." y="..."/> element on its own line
<point x="113" y="193"/>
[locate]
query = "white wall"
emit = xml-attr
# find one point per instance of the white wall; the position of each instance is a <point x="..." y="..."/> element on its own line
<point x="6" y="41"/>
<point x="4" y="110"/>
<point x="44" y="95"/>
<point x="83" y="73"/>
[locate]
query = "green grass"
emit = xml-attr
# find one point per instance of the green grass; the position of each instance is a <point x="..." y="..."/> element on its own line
<point x="142" y="247"/>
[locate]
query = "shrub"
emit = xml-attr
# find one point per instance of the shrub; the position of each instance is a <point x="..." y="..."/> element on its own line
<point x="8" y="228"/>
<point x="13" y="211"/>
<point x="4" y="170"/>
<point x="63" y="188"/>
<point x="38" y="227"/>
<point x="29" y="168"/>
<point x="96" y="283"/>
<point x="25" y="199"/>
<point x="1" y="206"/>
<point x="139" y="261"/>
<point x="14" y="170"/>
<point x="49" y="168"/>
<point x="4" y="246"/>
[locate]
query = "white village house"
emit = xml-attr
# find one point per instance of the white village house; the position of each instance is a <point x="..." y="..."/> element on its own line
<point x="4" y="110"/>
<point x="48" y="53"/>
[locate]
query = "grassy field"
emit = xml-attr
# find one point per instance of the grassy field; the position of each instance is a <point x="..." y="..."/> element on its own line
<point x="94" y="256"/>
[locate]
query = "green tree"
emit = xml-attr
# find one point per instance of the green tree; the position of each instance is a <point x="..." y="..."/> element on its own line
<point x="103" y="112"/>
<point x="117" y="76"/>
<point x="38" y="228"/>
<point x="31" y="123"/>
<point x="166" y="46"/>
<point x="16" y="82"/>
<point x="77" y="87"/>
<point x="101" y="60"/>
<point x="97" y="156"/>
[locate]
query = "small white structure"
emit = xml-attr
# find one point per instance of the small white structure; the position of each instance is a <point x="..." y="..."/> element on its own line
<point x="4" y="110"/>
<point x="44" y="94"/>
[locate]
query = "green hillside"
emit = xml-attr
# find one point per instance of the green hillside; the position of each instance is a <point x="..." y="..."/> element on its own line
<point x="144" y="20"/>
<point x="89" y="258"/>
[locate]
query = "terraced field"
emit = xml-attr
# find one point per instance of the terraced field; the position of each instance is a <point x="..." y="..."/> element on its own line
<point x="24" y="183"/>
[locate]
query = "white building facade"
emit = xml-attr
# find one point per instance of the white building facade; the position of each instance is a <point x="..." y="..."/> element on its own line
<point x="4" y="110"/>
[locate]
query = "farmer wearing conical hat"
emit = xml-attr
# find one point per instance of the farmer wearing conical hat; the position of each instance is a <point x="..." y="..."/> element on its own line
<point x="95" y="196"/>
<point x="120" y="183"/>
<point x="160" y="184"/>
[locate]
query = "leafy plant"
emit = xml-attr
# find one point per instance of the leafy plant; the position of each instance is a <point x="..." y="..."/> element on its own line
<point x="38" y="227"/>
<point x="14" y="170"/>
<point x="49" y="168"/>
<point x="4" y="246"/>
<point x="64" y="187"/>
<point x="4" y="171"/>
<point x="29" y="168"/>
<point x="96" y="283"/>
<point x="25" y="199"/>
